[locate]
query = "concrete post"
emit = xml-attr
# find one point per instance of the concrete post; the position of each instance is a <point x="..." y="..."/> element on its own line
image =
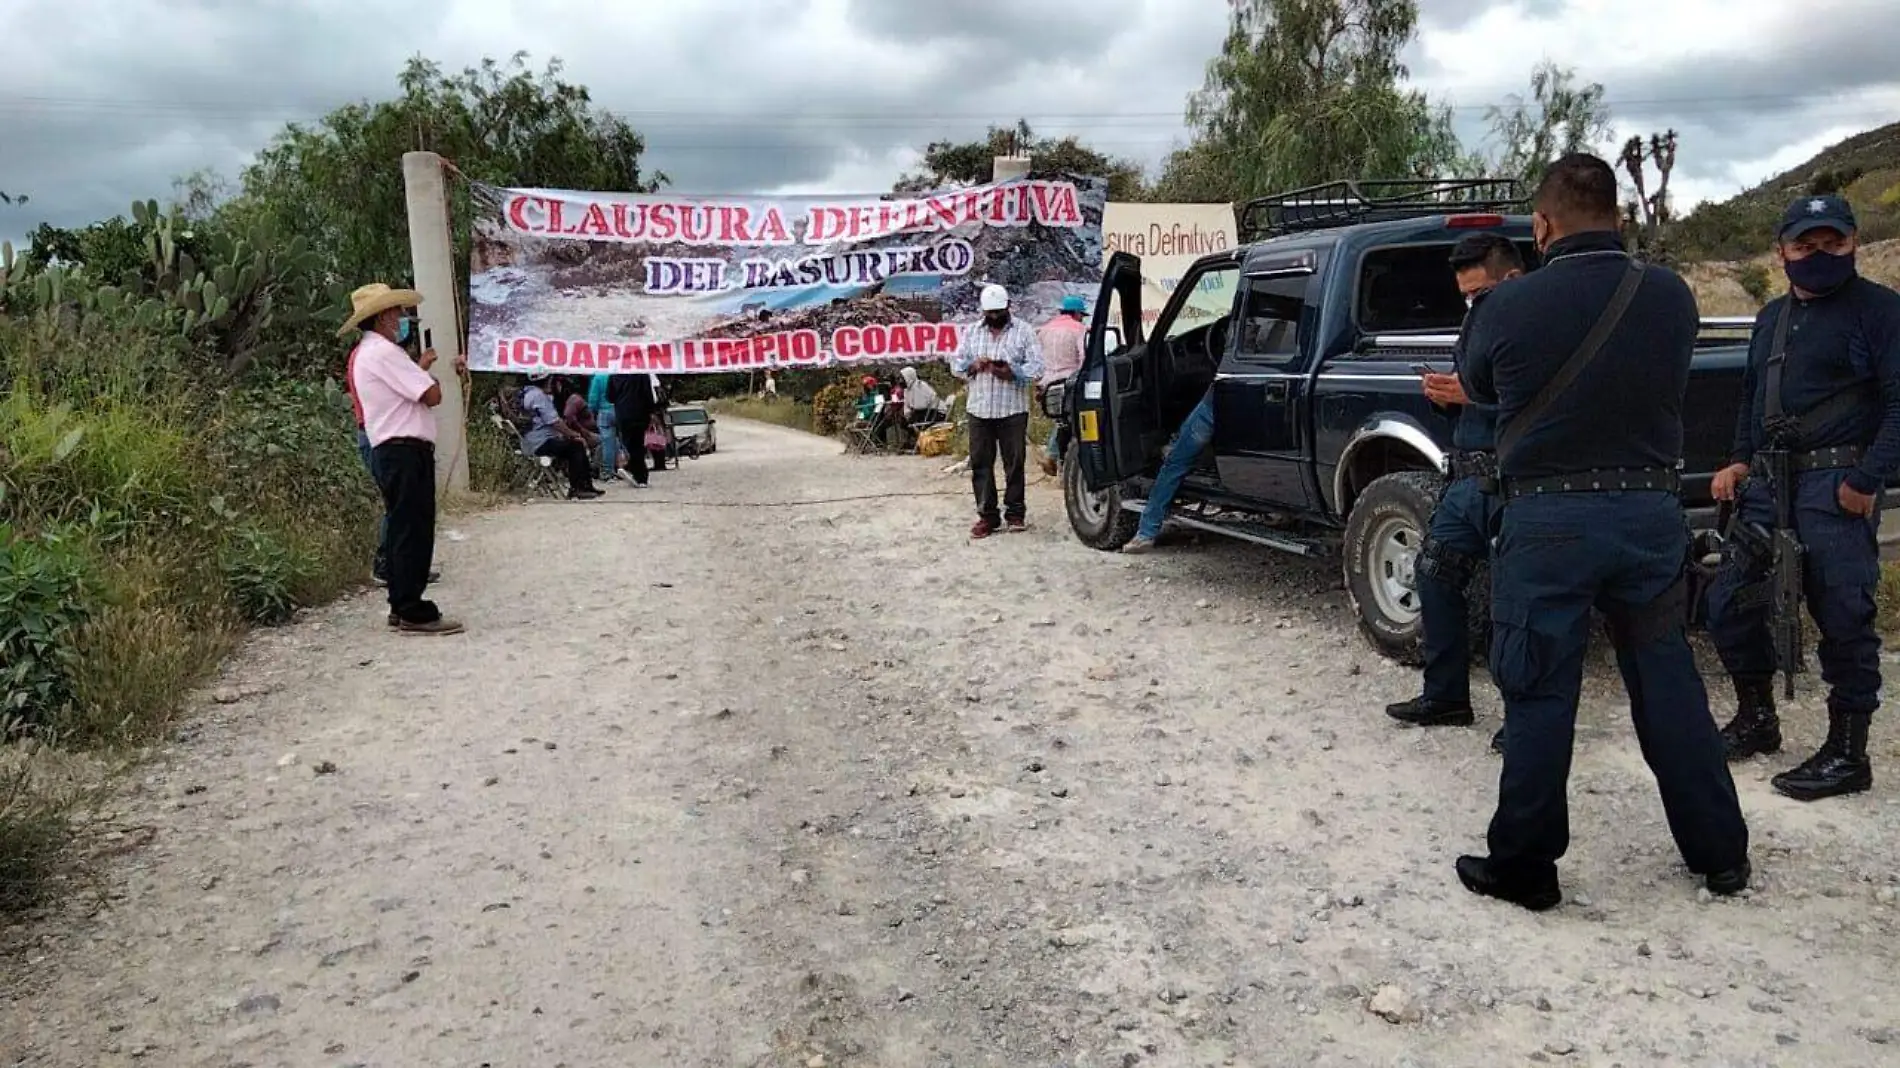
<point x="434" y="262"/>
<point x="1006" y="168"/>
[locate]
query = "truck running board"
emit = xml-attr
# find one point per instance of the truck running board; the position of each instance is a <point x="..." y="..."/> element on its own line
<point x="1242" y="529"/>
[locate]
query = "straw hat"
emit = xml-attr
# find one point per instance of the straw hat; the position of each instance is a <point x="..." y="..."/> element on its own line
<point x="374" y="299"/>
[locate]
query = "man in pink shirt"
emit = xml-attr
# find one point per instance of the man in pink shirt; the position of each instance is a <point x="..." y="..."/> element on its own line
<point x="1064" y="340"/>
<point x="398" y="396"/>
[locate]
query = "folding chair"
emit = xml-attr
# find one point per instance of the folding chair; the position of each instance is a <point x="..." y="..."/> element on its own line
<point x="858" y="440"/>
<point x="541" y="480"/>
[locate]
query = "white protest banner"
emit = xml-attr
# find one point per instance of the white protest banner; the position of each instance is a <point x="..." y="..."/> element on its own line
<point x="623" y="283"/>
<point x="1169" y="238"/>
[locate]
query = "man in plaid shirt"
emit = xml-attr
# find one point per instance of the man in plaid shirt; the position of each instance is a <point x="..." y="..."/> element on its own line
<point x="1000" y="359"/>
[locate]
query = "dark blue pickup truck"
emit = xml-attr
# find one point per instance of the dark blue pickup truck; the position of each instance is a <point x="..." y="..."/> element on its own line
<point x="1323" y="439"/>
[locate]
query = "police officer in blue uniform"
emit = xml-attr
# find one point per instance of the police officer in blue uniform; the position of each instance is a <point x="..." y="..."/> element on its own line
<point x="1460" y="535"/>
<point x="1587" y="360"/>
<point x="1824" y="370"/>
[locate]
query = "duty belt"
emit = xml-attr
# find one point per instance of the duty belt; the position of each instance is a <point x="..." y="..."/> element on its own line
<point x="1598" y="480"/>
<point x="1825" y="459"/>
<point x="1477" y="463"/>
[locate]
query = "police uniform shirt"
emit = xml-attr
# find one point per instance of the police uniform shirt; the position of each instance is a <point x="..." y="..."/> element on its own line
<point x="1625" y="410"/>
<point x="1848" y="339"/>
<point x="1476" y="428"/>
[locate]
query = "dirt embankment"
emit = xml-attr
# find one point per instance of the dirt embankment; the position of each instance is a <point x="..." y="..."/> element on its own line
<point x="708" y="783"/>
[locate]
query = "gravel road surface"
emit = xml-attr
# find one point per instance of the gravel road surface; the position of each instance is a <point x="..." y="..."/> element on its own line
<point x="715" y="784"/>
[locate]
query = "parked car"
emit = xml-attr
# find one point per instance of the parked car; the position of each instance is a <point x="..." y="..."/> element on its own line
<point x="1323" y="439"/>
<point x="695" y="431"/>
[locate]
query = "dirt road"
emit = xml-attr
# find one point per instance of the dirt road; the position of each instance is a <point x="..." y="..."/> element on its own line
<point x="831" y="785"/>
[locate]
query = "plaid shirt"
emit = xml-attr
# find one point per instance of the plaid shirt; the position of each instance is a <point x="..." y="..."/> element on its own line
<point x="992" y="397"/>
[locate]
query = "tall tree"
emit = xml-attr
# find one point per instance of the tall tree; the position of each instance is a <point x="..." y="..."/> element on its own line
<point x="953" y="163"/>
<point x="1561" y="116"/>
<point x="1306" y="91"/>
<point x="339" y="183"/>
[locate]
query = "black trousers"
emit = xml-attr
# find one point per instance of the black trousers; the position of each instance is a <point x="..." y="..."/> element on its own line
<point x="574" y="456"/>
<point x="1009" y="436"/>
<point x="636" y="461"/>
<point x="405" y="472"/>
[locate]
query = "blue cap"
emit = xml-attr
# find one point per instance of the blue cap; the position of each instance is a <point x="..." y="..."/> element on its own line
<point x="1813" y="213"/>
<point x="1073" y="303"/>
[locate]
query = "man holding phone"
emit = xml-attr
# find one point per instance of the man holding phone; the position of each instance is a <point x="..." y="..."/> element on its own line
<point x="999" y="359"/>
<point x="1460" y="536"/>
<point x="399" y="396"/>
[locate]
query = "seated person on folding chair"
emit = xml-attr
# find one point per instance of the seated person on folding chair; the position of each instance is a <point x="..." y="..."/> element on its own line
<point x="550" y="436"/>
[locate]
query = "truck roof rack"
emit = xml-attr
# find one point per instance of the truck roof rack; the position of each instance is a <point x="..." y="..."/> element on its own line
<point x="1349" y="201"/>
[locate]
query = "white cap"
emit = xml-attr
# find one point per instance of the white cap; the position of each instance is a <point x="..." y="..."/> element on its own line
<point x="995" y="298"/>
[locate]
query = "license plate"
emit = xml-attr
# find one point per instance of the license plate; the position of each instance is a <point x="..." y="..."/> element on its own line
<point x="1087" y="427"/>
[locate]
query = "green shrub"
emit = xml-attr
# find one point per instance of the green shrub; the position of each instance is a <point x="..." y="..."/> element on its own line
<point x="114" y="466"/>
<point x="44" y="600"/>
<point x="263" y="572"/>
<point x="1755" y="281"/>
<point x="495" y="463"/>
<point x="835" y="407"/>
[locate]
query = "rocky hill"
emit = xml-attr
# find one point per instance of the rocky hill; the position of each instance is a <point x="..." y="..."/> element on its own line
<point x="1865" y="167"/>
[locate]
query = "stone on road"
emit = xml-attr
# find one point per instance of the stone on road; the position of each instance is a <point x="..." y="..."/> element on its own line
<point x="834" y="785"/>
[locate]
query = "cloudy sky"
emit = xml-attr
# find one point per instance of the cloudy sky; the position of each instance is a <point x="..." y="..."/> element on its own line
<point x="102" y="101"/>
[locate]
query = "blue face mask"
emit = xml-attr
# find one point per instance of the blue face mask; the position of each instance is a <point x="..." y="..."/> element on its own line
<point x="1821" y="272"/>
<point x="405" y="328"/>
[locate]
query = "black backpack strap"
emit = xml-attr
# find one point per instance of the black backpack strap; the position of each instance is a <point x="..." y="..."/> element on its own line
<point x="1508" y="437"/>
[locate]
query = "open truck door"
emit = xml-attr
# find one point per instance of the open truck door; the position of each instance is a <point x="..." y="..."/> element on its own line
<point x="1112" y="413"/>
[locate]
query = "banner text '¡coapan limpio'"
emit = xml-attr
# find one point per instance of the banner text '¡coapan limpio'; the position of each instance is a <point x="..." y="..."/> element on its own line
<point x="791" y="348"/>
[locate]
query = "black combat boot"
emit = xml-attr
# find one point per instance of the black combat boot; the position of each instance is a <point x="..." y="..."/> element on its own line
<point x="1840" y="767"/>
<point x="1755" y="728"/>
<point x="1418" y="712"/>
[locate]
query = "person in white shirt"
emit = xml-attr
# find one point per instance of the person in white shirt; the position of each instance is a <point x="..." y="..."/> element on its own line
<point x="1000" y="359"/>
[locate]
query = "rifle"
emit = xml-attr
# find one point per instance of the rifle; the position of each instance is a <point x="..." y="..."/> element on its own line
<point x="1776" y="461"/>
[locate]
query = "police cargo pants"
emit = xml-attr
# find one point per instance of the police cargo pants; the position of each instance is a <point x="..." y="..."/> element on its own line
<point x="1556" y="557"/>
<point x="1459" y="540"/>
<point x="1840" y="572"/>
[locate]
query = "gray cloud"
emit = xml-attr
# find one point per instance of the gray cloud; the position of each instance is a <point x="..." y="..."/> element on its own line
<point x="737" y="95"/>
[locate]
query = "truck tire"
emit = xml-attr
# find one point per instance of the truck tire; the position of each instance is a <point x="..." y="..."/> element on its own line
<point x="1383" y="535"/>
<point x="1098" y="519"/>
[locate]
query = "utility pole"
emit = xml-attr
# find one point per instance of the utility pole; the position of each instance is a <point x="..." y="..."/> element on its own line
<point x="433" y="254"/>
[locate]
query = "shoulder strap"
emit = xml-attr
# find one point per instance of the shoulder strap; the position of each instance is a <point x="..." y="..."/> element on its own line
<point x="1793" y="429"/>
<point x="1777" y="360"/>
<point x="1509" y="437"/>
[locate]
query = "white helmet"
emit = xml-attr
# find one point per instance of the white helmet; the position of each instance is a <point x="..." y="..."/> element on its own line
<point x="995" y="298"/>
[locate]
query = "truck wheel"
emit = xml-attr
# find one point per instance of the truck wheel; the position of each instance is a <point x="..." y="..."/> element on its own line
<point x="1097" y="518"/>
<point x="1383" y="536"/>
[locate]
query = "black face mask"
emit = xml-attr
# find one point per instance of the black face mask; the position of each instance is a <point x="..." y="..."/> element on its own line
<point x="1820" y="273"/>
<point x="996" y="320"/>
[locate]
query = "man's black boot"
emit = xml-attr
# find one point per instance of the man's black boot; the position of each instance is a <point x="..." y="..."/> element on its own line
<point x="1534" y="891"/>
<point x="1755" y="728"/>
<point x="1841" y="765"/>
<point x="1418" y="712"/>
<point x="1730" y="882"/>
